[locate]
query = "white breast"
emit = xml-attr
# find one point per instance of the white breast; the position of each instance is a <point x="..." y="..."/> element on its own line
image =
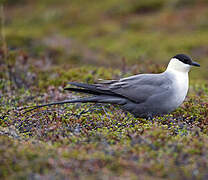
<point x="180" y="88"/>
<point x="181" y="85"/>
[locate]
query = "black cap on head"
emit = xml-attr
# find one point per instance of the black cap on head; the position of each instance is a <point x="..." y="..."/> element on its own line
<point x="186" y="59"/>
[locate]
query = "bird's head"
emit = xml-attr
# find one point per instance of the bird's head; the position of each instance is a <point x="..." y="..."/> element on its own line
<point x="182" y="63"/>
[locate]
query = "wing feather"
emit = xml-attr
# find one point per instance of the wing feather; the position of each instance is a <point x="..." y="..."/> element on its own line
<point x="136" y="88"/>
<point x="139" y="88"/>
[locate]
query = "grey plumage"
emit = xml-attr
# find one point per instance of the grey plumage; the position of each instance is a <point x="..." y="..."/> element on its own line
<point x="135" y="94"/>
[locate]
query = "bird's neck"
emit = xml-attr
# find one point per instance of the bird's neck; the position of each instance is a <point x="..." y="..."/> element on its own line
<point x="179" y="72"/>
<point x="177" y="66"/>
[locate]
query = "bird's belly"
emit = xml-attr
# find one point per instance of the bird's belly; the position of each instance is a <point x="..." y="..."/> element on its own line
<point x="162" y="104"/>
<point x="179" y="94"/>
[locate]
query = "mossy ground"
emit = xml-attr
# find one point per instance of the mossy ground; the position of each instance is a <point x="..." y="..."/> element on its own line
<point x="53" y="42"/>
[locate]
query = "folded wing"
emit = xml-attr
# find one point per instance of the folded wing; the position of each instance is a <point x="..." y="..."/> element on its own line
<point x="135" y="88"/>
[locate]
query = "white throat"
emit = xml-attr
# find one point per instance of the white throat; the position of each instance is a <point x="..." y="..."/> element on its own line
<point x="178" y="66"/>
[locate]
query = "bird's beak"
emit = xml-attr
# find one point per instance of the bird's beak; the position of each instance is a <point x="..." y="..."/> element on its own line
<point x="195" y="64"/>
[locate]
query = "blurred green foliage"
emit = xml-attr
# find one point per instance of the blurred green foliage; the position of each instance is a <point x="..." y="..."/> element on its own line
<point x="52" y="42"/>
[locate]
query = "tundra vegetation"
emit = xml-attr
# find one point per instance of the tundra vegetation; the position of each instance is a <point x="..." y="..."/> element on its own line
<point x="45" y="44"/>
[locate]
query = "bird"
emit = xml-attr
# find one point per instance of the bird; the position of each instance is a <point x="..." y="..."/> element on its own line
<point x="143" y="95"/>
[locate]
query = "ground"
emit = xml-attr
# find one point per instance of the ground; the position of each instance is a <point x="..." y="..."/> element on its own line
<point x="45" y="44"/>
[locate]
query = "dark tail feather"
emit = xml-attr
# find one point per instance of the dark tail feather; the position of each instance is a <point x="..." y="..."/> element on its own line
<point x="82" y="100"/>
<point x="82" y="90"/>
<point x="91" y="89"/>
<point x="96" y="99"/>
